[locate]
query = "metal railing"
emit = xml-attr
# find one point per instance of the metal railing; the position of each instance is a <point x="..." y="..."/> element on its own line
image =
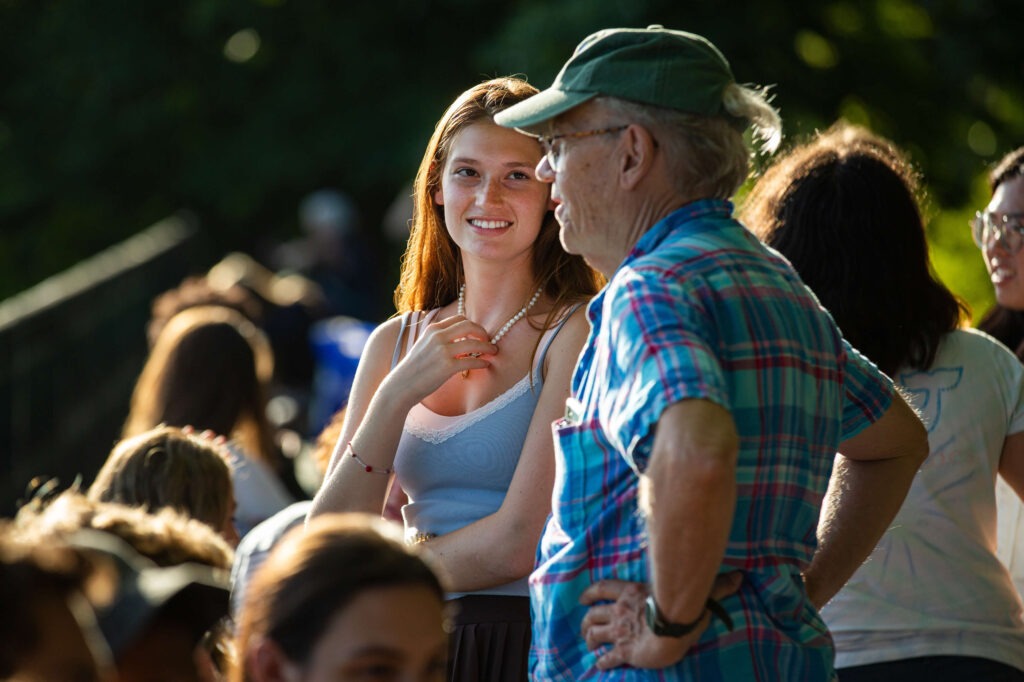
<point x="70" y="351"/>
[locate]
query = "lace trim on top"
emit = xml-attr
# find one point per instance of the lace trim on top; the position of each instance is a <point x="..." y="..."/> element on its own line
<point x="435" y="429"/>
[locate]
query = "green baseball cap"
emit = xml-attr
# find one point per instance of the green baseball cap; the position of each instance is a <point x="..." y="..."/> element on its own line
<point x="653" y="65"/>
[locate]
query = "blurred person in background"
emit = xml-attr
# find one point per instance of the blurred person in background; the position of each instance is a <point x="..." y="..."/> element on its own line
<point x="48" y="628"/>
<point x="453" y="400"/>
<point x="209" y="370"/>
<point x="167" y="467"/>
<point x="342" y="600"/>
<point x="998" y="230"/>
<point x="253" y="551"/>
<point x="333" y="254"/>
<point x="166" y="537"/>
<point x="196" y="291"/>
<point x="164" y="621"/>
<point x="158" y="618"/>
<point x="932" y="602"/>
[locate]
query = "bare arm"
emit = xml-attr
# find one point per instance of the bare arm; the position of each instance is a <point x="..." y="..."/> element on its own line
<point x="1011" y="463"/>
<point x="501" y="547"/>
<point x="689" y="496"/>
<point x="381" y="399"/>
<point x="870" y="480"/>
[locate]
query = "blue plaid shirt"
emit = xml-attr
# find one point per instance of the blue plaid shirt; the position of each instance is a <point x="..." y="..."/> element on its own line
<point x="701" y="309"/>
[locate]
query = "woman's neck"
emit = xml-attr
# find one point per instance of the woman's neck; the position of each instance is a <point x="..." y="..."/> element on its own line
<point x="491" y="298"/>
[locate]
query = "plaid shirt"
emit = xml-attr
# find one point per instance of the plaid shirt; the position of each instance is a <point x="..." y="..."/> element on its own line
<point x="701" y="309"/>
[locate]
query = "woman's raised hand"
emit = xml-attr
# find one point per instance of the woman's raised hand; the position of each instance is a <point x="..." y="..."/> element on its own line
<point x="446" y="347"/>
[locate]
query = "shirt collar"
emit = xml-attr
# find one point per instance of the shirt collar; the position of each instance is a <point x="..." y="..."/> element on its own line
<point x="681" y="219"/>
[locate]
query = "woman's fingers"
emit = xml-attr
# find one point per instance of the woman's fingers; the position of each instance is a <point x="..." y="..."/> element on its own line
<point x="457" y="326"/>
<point x="469" y="346"/>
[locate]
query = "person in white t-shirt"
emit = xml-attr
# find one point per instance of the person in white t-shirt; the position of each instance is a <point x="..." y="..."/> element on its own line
<point x="998" y="230"/>
<point x="933" y="601"/>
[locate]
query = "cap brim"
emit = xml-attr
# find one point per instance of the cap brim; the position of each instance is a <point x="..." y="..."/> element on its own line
<point x="145" y="590"/>
<point x="543" y="106"/>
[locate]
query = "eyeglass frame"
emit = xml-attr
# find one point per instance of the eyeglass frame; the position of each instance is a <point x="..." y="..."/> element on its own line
<point x="547" y="141"/>
<point x="984" y="222"/>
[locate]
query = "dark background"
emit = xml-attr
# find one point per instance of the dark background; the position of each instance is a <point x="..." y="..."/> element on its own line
<point x="114" y="115"/>
<point x="224" y="114"/>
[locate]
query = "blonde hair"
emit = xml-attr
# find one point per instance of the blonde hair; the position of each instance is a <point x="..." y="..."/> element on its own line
<point x="166" y="537"/>
<point x="707" y="155"/>
<point x="165" y="467"/>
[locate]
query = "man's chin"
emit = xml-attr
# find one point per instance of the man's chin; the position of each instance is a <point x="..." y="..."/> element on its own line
<point x="566" y="242"/>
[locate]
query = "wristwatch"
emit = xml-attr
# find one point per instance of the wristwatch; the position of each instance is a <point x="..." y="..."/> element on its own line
<point x="663" y="628"/>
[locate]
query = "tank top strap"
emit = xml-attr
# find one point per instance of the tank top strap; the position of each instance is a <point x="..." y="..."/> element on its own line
<point x="406" y="317"/>
<point x="409" y="330"/>
<point x="549" y="336"/>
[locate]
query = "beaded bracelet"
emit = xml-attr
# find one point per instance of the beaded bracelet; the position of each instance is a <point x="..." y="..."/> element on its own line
<point x="367" y="467"/>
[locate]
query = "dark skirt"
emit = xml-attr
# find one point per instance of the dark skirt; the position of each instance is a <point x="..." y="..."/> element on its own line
<point x="490" y="641"/>
<point x="933" y="669"/>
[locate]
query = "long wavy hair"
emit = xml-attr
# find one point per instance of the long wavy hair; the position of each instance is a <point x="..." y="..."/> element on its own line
<point x="1003" y="323"/>
<point x="843" y="208"/>
<point x="431" y="267"/>
<point x="209" y="369"/>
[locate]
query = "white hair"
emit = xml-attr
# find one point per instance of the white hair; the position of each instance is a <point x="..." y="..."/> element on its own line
<point x="753" y="104"/>
<point x="707" y="155"/>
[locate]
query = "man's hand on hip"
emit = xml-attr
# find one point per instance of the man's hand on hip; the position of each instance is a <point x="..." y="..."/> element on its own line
<point x="620" y="622"/>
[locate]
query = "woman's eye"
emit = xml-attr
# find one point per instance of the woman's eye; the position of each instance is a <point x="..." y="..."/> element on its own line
<point x="520" y="175"/>
<point x="465" y="172"/>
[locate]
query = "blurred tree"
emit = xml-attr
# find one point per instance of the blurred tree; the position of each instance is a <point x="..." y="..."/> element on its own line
<point x="942" y="79"/>
<point x="113" y="114"/>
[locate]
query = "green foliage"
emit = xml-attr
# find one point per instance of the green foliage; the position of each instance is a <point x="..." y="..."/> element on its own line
<point x="113" y="115"/>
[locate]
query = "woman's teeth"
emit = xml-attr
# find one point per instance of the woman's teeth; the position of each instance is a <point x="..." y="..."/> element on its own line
<point x="489" y="224"/>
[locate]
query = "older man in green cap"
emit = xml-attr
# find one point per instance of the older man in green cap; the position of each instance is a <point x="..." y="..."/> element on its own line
<point x="712" y="396"/>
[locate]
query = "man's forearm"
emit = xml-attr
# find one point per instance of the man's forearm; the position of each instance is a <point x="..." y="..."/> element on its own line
<point x="689" y="496"/>
<point x="688" y="529"/>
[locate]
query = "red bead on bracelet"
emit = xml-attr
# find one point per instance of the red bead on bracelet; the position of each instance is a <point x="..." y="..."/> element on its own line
<point x="367" y="467"/>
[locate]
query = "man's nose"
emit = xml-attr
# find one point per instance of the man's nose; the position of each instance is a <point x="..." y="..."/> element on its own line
<point x="544" y="171"/>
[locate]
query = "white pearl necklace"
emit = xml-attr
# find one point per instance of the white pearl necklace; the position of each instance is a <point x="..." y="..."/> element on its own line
<point x="512" y="321"/>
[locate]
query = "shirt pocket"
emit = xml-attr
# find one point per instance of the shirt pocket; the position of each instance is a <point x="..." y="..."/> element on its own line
<point x="570" y="476"/>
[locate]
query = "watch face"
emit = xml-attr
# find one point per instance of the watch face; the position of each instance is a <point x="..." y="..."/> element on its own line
<point x="651" y="614"/>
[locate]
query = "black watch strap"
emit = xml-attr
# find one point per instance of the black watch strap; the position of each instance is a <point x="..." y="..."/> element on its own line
<point x="662" y="627"/>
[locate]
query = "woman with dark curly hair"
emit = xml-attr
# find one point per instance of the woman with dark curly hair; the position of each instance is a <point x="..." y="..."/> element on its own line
<point x="933" y="602"/>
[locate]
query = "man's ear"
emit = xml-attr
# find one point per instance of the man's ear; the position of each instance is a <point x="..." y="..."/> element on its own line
<point x="639" y="148"/>
<point x="266" y="662"/>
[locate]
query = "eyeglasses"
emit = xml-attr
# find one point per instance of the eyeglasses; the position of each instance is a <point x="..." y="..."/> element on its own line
<point x="1004" y="229"/>
<point x="552" y="144"/>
